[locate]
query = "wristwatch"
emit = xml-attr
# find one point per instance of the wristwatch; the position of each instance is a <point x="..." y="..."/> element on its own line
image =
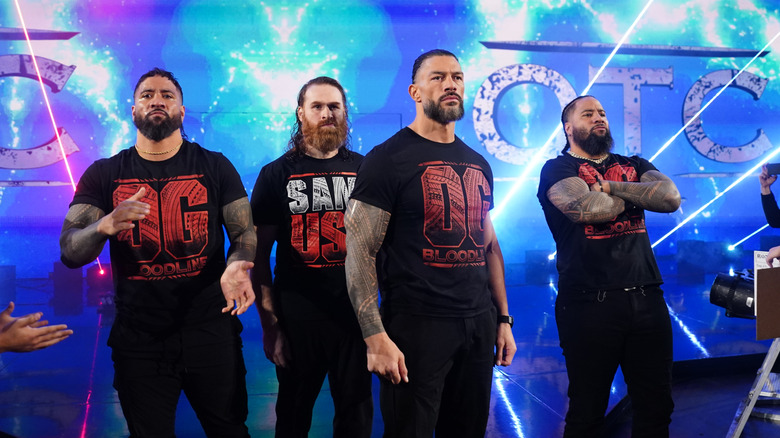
<point x="507" y="319"/>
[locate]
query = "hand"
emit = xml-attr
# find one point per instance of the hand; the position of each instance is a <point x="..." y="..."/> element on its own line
<point x="505" y="345"/>
<point x="774" y="254"/>
<point x="275" y="345"/>
<point x="29" y="332"/>
<point x="128" y="211"/>
<point x="385" y="359"/>
<point x="766" y="180"/>
<point x="237" y="287"/>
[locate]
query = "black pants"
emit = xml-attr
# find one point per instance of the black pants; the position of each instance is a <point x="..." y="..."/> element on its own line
<point x="450" y="363"/>
<point x="600" y="331"/>
<point x="205" y="362"/>
<point x="321" y="348"/>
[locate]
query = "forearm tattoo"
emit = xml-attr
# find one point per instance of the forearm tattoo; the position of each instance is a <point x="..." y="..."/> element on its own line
<point x="366" y="227"/>
<point x="573" y="197"/>
<point x="655" y="192"/>
<point x="80" y="242"/>
<point x="240" y="230"/>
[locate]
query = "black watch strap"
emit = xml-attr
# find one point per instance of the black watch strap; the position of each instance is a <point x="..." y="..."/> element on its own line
<point x="507" y="319"/>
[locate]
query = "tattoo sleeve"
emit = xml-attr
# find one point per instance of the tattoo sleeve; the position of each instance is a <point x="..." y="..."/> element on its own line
<point x="573" y="197"/>
<point x="366" y="227"/>
<point x="655" y="192"/>
<point x="80" y="242"/>
<point x="241" y="232"/>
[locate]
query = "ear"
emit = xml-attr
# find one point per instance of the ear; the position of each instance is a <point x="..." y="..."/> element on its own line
<point x="182" y="112"/>
<point x="299" y="114"/>
<point x="567" y="127"/>
<point x="414" y="93"/>
<point x="132" y="110"/>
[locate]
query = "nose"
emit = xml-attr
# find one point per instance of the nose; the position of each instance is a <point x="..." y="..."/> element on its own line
<point x="449" y="83"/>
<point x="157" y="101"/>
<point x="326" y="113"/>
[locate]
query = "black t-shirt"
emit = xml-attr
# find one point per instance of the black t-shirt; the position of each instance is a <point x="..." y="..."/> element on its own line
<point x="432" y="260"/>
<point x="609" y="255"/>
<point x="305" y="199"/>
<point x="167" y="269"/>
<point x="771" y="211"/>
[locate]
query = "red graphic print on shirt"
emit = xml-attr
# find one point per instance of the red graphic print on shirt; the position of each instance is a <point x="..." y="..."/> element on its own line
<point x="169" y="241"/>
<point x="456" y="198"/>
<point x="317" y="203"/>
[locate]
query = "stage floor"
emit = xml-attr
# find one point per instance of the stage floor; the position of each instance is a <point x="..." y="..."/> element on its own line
<point x="65" y="390"/>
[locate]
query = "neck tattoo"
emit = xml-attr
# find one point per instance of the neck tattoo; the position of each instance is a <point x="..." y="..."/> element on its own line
<point x="598" y="160"/>
<point x="159" y="152"/>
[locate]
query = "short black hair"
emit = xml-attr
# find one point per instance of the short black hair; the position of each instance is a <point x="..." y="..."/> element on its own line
<point x="565" y="117"/>
<point x="429" y="54"/>
<point x="158" y="72"/>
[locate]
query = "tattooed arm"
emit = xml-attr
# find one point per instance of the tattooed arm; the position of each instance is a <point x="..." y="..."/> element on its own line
<point x="366" y="226"/>
<point x="236" y="285"/>
<point x="86" y="228"/>
<point x="574" y="198"/>
<point x="655" y="192"/>
<point x="241" y="232"/>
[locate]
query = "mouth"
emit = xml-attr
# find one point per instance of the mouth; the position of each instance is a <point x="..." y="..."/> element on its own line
<point x="451" y="98"/>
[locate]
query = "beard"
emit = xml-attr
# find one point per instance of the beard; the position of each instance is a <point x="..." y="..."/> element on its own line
<point x="157" y="130"/>
<point x="595" y="145"/>
<point x="444" y="114"/>
<point x="325" y="139"/>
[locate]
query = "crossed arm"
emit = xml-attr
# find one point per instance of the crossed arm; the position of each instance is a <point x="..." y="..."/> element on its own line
<point x="603" y="202"/>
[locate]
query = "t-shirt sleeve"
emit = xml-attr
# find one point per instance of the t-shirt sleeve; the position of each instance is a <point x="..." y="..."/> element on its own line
<point x="376" y="183"/>
<point x="553" y="171"/>
<point x="230" y="181"/>
<point x="89" y="189"/>
<point x="265" y="197"/>
<point x="643" y="166"/>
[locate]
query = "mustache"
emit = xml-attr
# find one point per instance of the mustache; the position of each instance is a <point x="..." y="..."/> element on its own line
<point x="157" y="111"/>
<point x="451" y="94"/>
<point x="330" y="121"/>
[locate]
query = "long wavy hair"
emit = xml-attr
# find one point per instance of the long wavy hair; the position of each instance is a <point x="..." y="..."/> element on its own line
<point x="296" y="146"/>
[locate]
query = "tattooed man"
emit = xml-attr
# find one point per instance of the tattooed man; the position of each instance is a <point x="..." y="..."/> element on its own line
<point x="610" y="310"/>
<point x="418" y="229"/>
<point x="162" y="204"/>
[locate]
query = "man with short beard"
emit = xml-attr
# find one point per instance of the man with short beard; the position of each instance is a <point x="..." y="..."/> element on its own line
<point x="610" y="309"/>
<point x="309" y="328"/>
<point x="419" y="229"/>
<point x="164" y="205"/>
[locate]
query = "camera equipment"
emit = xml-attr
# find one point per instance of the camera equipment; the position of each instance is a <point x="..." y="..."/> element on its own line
<point x="773" y="168"/>
<point x="735" y="294"/>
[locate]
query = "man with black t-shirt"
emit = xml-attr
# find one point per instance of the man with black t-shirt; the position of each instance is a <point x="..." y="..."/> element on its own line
<point x="418" y="228"/>
<point x="309" y="328"/>
<point x="162" y="205"/>
<point x="610" y="310"/>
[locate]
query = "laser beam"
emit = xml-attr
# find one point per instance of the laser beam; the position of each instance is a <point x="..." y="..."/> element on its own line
<point x="48" y="104"/>
<point x="733" y="246"/>
<point x="722" y="89"/>
<point x="541" y="152"/>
